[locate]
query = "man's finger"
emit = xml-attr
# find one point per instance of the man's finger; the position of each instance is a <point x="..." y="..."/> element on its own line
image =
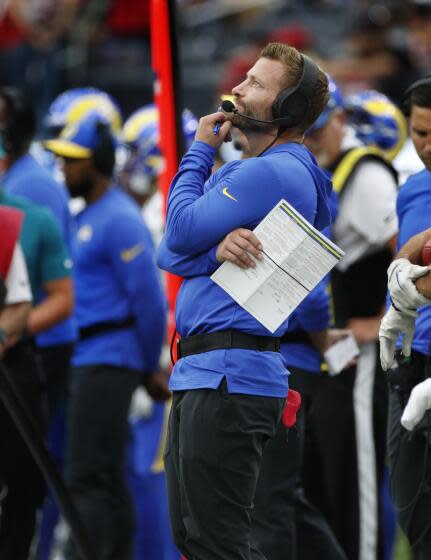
<point x="233" y="258"/>
<point x="239" y="257"/>
<point x="251" y="238"/>
<point x="387" y="352"/>
<point x="244" y="245"/>
<point x="407" y="343"/>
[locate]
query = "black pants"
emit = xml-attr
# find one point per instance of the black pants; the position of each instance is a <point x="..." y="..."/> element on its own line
<point x="98" y="408"/>
<point x="285" y="524"/>
<point x="55" y="361"/>
<point x="20" y="477"/>
<point x="345" y="449"/>
<point x="212" y="460"/>
<point x="410" y="459"/>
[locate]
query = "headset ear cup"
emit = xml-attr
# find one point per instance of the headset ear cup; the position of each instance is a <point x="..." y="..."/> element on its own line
<point x="291" y="104"/>
<point x="291" y="107"/>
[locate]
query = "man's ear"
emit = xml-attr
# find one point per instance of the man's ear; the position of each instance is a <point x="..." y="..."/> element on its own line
<point x="340" y="119"/>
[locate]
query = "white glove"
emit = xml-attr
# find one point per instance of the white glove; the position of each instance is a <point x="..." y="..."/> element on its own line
<point x="401" y="283"/>
<point x="141" y="405"/>
<point x="419" y="403"/>
<point x="393" y="324"/>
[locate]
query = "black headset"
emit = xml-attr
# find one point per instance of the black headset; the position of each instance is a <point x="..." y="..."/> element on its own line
<point x="104" y="154"/>
<point x="20" y="126"/>
<point x="426" y="81"/>
<point x="291" y="105"/>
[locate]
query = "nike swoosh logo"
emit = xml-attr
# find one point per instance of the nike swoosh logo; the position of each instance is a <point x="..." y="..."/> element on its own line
<point x="129" y="254"/>
<point x="229" y="195"/>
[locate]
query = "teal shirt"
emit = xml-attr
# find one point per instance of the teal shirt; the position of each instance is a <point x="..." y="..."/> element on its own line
<point x="42" y="244"/>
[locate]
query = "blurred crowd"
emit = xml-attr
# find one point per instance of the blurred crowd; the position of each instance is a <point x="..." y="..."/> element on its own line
<point x="47" y="47"/>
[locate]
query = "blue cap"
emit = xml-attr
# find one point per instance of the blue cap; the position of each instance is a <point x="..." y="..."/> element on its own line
<point x="77" y="140"/>
<point x="335" y="102"/>
<point x="141" y="131"/>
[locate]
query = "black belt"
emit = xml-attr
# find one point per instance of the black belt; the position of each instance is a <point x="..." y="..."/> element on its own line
<point x="222" y="340"/>
<point x="295" y="337"/>
<point x="106" y="326"/>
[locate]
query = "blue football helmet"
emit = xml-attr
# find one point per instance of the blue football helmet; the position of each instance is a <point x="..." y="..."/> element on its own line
<point x="141" y="137"/>
<point x="335" y="102"/>
<point x="377" y="121"/>
<point x="74" y="104"/>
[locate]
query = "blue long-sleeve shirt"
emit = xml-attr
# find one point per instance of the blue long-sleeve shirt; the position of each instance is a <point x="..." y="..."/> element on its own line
<point x="202" y="210"/>
<point x="116" y="278"/>
<point x="27" y="178"/>
<point x="414" y="216"/>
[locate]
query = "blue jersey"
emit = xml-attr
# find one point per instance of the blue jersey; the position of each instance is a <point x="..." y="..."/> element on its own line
<point x="27" y="178"/>
<point x="311" y="315"/>
<point x="202" y="210"/>
<point x="116" y="279"/>
<point x="414" y="216"/>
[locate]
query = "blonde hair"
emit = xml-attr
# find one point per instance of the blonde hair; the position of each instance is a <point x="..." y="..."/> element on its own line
<point x="294" y="63"/>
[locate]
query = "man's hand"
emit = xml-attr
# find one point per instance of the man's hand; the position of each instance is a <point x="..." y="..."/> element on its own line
<point x="419" y="403"/>
<point x="205" y="130"/>
<point x="156" y="385"/>
<point x="402" y="275"/>
<point x="237" y="248"/>
<point x="393" y="324"/>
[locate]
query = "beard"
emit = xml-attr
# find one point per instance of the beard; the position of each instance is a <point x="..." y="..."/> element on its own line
<point x="80" y="188"/>
<point x="247" y="125"/>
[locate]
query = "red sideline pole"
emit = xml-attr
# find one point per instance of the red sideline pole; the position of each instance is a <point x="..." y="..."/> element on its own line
<point x="167" y="90"/>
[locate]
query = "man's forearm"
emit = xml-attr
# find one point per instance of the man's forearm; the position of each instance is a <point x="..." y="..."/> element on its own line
<point x="412" y="250"/>
<point x="51" y="311"/>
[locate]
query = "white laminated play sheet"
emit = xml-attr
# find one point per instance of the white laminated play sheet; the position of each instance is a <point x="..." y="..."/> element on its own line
<point x="296" y="257"/>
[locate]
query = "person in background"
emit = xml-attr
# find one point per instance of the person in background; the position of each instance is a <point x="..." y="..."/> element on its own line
<point x="68" y="108"/>
<point x="410" y="314"/>
<point x="351" y="439"/>
<point x="23" y="176"/>
<point x="143" y="162"/>
<point x="47" y="263"/>
<point x="15" y="289"/>
<point x="120" y="311"/>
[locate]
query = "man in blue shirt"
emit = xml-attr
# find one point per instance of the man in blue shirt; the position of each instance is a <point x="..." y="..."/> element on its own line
<point x="120" y="311"/>
<point x="230" y="382"/>
<point x="23" y="176"/>
<point x="408" y="453"/>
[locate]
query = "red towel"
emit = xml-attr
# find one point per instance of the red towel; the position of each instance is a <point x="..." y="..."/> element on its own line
<point x="10" y="225"/>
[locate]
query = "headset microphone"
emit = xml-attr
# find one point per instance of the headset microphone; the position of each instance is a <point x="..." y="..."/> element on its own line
<point x="228" y="107"/>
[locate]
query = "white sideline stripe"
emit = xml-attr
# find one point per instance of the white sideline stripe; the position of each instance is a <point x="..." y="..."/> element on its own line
<point x="367" y="483"/>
